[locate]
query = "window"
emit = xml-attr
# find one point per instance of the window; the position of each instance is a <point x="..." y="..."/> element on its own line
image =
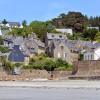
<point x="59" y="56"/>
<point x="52" y="35"/>
<point x="62" y="47"/>
<point x="91" y="57"/>
<point x="60" y="36"/>
<point x="88" y="57"/>
<point x="32" y="48"/>
<point x="65" y="55"/>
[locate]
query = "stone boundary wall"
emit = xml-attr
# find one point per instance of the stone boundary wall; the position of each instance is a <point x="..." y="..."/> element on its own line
<point x="30" y="75"/>
<point x="86" y="68"/>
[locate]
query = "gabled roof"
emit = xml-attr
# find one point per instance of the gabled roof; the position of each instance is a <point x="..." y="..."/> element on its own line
<point x="56" y="36"/>
<point x="14" y="23"/>
<point x="16" y="55"/>
<point x="18" y="40"/>
<point x="76" y="45"/>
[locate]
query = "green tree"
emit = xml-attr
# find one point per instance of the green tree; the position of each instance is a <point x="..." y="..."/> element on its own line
<point x="75" y="20"/>
<point x="90" y="34"/>
<point x="40" y="28"/>
<point x="25" y="31"/>
<point x="24" y="23"/>
<point x="4" y="21"/>
<point x="1" y="40"/>
<point x="98" y="37"/>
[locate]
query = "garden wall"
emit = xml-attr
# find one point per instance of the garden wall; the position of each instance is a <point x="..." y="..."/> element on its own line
<point x="86" y="68"/>
<point x="30" y="75"/>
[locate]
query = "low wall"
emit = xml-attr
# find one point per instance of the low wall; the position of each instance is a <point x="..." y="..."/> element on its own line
<point x="29" y="75"/>
<point x="86" y="68"/>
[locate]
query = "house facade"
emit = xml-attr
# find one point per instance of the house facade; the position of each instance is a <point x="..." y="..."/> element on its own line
<point x="29" y="46"/>
<point x="63" y="52"/>
<point x="92" y="54"/>
<point x="60" y="47"/>
<point x="53" y="38"/>
<point x="65" y="31"/>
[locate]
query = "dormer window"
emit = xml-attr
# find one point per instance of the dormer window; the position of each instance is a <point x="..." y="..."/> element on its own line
<point x="62" y="47"/>
<point x="60" y="36"/>
<point x="52" y="35"/>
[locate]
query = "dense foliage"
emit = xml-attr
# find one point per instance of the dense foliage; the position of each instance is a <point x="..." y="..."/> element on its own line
<point x="43" y="62"/>
<point x="75" y="20"/>
<point x="4" y="49"/>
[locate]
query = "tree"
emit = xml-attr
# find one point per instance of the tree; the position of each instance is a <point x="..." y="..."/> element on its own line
<point x="25" y="31"/>
<point x="90" y="34"/>
<point x="98" y="37"/>
<point x="62" y="15"/>
<point x="1" y="40"/>
<point x="24" y="23"/>
<point x="94" y="21"/>
<point x="75" y="20"/>
<point x="50" y="26"/>
<point x="4" y="21"/>
<point x="40" y="28"/>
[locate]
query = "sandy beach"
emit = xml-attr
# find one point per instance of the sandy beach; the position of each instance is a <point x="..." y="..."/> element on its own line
<point x="53" y="84"/>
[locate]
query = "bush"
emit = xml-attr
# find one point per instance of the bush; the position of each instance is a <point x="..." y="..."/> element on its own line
<point x="43" y="62"/>
<point x="9" y="66"/>
<point x="38" y="65"/>
<point x="43" y="55"/>
<point x="49" y="65"/>
<point x="27" y="67"/>
<point x="61" y="64"/>
<point x="18" y="64"/>
<point x="69" y="67"/>
<point x="4" y="49"/>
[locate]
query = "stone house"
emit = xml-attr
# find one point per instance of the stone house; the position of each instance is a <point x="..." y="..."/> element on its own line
<point x="29" y="46"/>
<point x="34" y="46"/>
<point x="63" y="52"/>
<point x="13" y="25"/>
<point x="71" y="49"/>
<point x="53" y="37"/>
<point x="57" y="46"/>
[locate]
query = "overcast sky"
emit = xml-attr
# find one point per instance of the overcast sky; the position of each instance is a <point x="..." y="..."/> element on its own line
<point x="18" y="10"/>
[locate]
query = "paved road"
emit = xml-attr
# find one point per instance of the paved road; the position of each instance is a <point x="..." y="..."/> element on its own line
<point x="55" y="84"/>
<point x="18" y="93"/>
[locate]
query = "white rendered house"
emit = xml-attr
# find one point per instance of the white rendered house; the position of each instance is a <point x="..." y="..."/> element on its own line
<point x="92" y="54"/>
<point x="67" y="31"/>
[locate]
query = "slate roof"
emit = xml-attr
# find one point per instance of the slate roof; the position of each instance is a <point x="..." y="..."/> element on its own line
<point x="56" y="36"/>
<point x="16" y="55"/>
<point x="18" y="40"/>
<point x="8" y="40"/>
<point x="77" y="45"/>
<point x="12" y="24"/>
<point x="96" y="45"/>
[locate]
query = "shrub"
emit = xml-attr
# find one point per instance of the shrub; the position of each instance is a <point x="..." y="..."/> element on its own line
<point x="9" y="66"/>
<point x="61" y="63"/>
<point x="4" y="49"/>
<point x="18" y="64"/>
<point x="49" y="65"/>
<point x="27" y="67"/>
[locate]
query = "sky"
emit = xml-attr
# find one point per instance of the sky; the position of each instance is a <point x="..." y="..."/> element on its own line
<point x="18" y="10"/>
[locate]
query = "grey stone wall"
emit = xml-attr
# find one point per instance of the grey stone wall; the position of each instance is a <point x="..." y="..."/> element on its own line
<point x="30" y="75"/>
